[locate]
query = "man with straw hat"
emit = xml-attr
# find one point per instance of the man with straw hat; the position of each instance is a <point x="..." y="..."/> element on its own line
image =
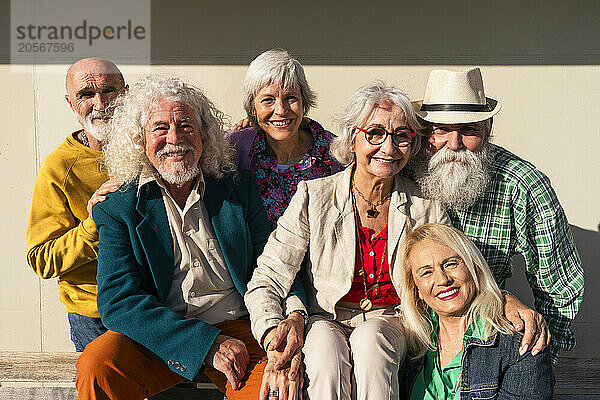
<point x="502" y="202"/>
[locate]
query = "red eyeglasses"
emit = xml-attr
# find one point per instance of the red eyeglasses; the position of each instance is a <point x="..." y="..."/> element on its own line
<point x="376" y="135"/>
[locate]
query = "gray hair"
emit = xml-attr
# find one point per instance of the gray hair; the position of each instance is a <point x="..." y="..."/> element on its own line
<point x="488" y="304"/>
<point x="275" y="67"/>
<point x="359" y="107"/>
<point x="124" y="154"/>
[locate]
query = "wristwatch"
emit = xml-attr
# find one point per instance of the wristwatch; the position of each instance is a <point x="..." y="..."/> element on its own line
<point x="304" y="315"/>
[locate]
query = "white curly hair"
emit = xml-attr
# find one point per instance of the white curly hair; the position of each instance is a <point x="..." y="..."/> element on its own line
<point x="124" y="154"/>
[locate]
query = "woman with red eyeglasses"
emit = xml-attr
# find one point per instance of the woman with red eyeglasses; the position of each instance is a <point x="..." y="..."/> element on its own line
<point x="341" y="235"/>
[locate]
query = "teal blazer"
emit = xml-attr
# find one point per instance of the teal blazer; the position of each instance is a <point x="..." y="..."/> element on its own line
<point x="136" y="264"/>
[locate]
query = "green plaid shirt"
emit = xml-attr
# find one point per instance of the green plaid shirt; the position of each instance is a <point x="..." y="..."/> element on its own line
<point x="520" y="214"/>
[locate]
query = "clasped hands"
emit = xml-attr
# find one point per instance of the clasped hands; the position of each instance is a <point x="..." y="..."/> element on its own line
<point x="284" y="374"/>
<point x="283" y="345"/>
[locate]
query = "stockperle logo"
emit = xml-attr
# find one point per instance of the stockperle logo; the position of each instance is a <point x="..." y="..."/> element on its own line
<point x="64" y="31"/>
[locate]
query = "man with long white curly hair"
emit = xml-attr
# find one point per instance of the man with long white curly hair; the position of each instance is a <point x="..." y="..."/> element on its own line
<point x="178" y="244"/>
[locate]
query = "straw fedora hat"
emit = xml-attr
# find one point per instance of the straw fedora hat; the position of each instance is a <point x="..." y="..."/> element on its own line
<point x="456" y="98"/>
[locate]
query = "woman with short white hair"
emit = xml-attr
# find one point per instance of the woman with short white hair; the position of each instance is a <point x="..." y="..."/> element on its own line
<point x="283" y="146"/>
<point x="340" y="235"/>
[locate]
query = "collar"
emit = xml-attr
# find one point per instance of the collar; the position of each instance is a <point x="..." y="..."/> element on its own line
<point x="73" y="141"/>
<point x="343" y="200"/>
<point x="149" y="174"/>
<point x="319" y="149"/>
<point x="473" y="334"/>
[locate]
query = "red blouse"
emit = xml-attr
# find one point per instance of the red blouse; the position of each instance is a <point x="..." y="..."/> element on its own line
<point x="373" y="252"/>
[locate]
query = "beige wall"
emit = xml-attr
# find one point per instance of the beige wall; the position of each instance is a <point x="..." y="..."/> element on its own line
<point x="549" y="117"/>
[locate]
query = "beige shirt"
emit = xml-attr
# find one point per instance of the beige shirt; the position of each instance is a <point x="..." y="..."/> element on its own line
<point x="202" y="287"/>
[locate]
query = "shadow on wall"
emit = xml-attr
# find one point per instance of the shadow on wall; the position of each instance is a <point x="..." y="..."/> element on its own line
<point x="587" y="323"/>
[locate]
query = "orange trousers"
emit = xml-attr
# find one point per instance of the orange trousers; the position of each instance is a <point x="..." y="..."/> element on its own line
<point x="115" y="367"/>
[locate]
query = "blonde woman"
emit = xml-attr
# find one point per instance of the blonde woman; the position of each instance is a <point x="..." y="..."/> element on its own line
<point x="461" y="344"/>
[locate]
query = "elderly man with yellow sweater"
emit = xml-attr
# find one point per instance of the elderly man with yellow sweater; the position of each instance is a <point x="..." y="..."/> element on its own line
<point x="61" y="235"/>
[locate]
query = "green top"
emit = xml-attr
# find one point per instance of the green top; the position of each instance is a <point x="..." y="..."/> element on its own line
<point x="435" y="382"/>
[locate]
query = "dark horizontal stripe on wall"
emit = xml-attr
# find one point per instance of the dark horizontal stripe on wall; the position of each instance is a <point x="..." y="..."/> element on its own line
<point x="306" y="59"/>
<point x="4" y="31"/>
<point x="377" y="32"/>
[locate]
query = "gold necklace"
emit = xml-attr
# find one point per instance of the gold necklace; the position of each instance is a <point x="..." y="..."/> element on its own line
<point x="372" y="212"/>
<point x="366" y="304"/>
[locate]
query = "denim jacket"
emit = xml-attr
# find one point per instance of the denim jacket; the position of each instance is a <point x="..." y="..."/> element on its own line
<point x="493" y="369"/>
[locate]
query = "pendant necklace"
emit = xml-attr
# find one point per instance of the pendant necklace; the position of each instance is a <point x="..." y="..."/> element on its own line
<point x="372" y="212"/>
<point x="365" y="304"/>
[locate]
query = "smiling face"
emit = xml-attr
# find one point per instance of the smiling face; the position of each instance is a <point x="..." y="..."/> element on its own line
<point x="384" y="160"/>
<point x="173" y="143"/>
<point x="442" y="278"/>
<point x="279" y="111"/>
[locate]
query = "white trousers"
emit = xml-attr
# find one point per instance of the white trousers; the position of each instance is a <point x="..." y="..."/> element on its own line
<point x="357" y="356"/>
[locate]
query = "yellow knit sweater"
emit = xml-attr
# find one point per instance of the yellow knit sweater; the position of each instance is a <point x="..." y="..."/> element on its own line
<point x="61" y="237"/>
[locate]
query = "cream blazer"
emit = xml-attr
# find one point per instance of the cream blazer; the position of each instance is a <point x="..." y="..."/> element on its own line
<point x="316" y="237"/>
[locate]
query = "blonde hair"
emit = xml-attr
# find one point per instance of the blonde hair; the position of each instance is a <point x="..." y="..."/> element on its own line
<point x="487" y="306"/>
<point x="124" y="154"/>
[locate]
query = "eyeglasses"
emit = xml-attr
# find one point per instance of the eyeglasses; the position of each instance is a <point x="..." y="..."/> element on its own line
<point x="376" y="135"/>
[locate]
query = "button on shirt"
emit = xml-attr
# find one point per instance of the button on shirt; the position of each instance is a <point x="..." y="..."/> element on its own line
<point x="202" y="287"/>
<point x="519" y="213"/>
<point x="380" y="289"/>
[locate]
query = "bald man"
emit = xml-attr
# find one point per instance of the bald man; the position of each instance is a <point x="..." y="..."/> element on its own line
<point x="61" y="235"/>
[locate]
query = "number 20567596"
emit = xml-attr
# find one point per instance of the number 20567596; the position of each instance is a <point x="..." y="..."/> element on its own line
<point x="45" y="47"/>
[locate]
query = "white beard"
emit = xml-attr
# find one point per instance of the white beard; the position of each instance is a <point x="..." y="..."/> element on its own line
<point x="99" y="129"/>
<point x="181" y="176"/>
<point x="181" y="173"/>
<point x="456" y="179"/>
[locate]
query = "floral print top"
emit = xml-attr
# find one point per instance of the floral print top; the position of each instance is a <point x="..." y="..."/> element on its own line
<point x="277" y="187"/>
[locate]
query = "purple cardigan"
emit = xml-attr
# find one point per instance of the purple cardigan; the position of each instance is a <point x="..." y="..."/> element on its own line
<point x="275" y="187"/>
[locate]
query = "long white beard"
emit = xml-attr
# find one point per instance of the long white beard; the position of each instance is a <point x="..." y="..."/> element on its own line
<point x="100" y="129"/>
<point x="456" y="179"/>
<point x="181" y="173"/>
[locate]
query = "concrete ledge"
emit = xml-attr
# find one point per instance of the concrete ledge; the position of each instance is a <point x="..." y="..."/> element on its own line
<point x="22" y="367"/>
<point x="38" y="393"/>
<point x="25" y="375"/>
<point x="577" y="378"/>
<point x="45" y="376"/>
